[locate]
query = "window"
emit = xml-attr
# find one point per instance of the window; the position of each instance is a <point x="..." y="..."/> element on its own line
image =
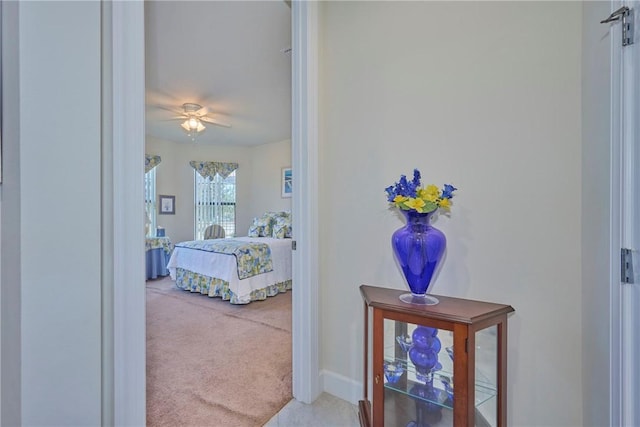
<point x="215" y="203"/>
<point x="150" y="201"/>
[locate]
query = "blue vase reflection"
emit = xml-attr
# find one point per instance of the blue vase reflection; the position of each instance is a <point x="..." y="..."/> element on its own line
<point x="428" y="408"/>
<point x="393" y="371"/>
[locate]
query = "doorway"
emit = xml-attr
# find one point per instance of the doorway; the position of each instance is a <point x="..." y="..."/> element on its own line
<point x="124" y="334"/>
<point x="232" y="66"/>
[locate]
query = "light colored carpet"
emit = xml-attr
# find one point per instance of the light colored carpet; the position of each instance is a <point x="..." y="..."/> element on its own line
<point x="211" y="363"/>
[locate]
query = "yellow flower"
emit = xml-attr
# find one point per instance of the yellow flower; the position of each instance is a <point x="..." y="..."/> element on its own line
<point x="399" y="199"/>
<point x="416" y="204"/>
<point x="416" y="197"/>
<point x="433" y="190"/>
<point x="430" y="194"/>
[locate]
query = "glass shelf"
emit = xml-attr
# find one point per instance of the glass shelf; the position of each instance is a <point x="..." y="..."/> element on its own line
<point x="442" y="385"/>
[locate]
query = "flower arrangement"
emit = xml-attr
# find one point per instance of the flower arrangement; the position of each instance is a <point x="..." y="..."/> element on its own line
<point x="411" y="195"/>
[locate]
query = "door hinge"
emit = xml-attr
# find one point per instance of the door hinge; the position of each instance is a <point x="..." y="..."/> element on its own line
<point x="293" y="245"/>
<point x="625" y="16"/>
<point x="626" y="265"/>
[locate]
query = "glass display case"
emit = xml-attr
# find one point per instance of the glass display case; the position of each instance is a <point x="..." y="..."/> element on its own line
<point x="428" y="366"/>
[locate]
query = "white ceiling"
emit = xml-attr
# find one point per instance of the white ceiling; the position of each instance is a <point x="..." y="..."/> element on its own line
<point x="224" y="55"/>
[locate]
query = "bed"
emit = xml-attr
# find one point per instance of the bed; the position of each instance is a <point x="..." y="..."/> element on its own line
<point x="199" y="266"/>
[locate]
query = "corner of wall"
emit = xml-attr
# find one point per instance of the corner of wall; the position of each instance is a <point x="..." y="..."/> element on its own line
<point x="341" y="386"/>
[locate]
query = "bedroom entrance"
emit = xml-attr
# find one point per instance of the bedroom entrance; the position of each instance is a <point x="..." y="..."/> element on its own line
<point x="123" y="305"/>
<point x="241" y="78"/>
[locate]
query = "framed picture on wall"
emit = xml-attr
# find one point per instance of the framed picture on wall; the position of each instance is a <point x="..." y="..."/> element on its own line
<point x="167" y="205"/>
<point x="287" y="183"/>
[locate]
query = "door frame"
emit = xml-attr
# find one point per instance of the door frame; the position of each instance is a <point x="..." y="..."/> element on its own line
<point x="304" y="150"/>
<point x="627" y="71"/>
<point x="123" y="288"/>
<point x="624" y="341"/>
<point x="124" y="333"/>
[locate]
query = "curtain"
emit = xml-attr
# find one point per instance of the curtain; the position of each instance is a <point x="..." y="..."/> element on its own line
<point x="151" y="161"/>
<point x="210" y="169"/>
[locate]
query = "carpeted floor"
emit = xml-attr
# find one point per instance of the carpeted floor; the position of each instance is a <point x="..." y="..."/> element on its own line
<point x="211" y="363"/>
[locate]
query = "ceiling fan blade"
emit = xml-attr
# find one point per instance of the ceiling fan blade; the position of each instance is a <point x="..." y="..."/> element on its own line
<point x="173" y="110"/>
<point x="215" y="122"/>
<point x="173" y="119"/>
<point x="202" y="112"/>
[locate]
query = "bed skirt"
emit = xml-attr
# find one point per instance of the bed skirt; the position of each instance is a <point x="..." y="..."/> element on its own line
<point x="213" y="287"/>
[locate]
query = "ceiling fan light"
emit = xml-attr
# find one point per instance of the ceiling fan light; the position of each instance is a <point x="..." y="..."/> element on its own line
<point x="193" y="126"/>
<point x="193" y="123"/>
<point x="194" y="115"/>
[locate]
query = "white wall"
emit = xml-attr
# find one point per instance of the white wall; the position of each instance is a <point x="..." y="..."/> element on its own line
<point x="55" y="171"/>
<point x="257" y="180"/>
<point x="596" y="247"/>
<point x="485" y="95"/>
<point x="267" y="161"/>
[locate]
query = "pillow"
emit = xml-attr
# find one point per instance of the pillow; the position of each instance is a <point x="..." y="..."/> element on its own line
<point x="255" y="230"/>
<point x="281" y="232"/>
<point x="282" y="228"/>
<point x="274" y="216"/>
<point x="263" y="226"/>
<point x="280" y="214"/>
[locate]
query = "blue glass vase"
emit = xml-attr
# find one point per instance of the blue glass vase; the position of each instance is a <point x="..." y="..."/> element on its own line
<point x="424" y="352"/>
<point x="418" y="247"/>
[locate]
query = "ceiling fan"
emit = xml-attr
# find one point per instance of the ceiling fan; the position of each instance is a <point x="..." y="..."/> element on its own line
<point x="194" y="115"/>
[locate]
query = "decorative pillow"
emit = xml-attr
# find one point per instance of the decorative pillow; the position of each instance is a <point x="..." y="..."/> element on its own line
<point x="280" y="214"/>
<point x="279" y="232"/>
<point x="271" y="224"/>
<point x="255" y="230"/>
<point x="282" y="227"/>
<point x="274" y="216"/>
<point x="265" y="223"/>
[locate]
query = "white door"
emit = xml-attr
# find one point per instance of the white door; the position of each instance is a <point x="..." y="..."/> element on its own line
<point x="630" y="220"/>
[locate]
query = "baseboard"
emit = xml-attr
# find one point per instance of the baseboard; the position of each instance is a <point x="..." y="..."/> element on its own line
<point x="340" y="386"/>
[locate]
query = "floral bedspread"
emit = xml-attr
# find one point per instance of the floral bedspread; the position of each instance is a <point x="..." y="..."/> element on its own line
<point x="252" y="258"/>
<point x="213" y="287"/>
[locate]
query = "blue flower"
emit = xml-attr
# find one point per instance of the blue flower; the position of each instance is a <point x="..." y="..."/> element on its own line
<point x="416" y="178"/>
<point x="411" y="195"/>
<point x="391" y="194"/>
<point x="447" y="191"/>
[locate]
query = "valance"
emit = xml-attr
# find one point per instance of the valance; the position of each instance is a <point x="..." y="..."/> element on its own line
<point x="210" y="169"/>
<point x="151" y="161"/>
